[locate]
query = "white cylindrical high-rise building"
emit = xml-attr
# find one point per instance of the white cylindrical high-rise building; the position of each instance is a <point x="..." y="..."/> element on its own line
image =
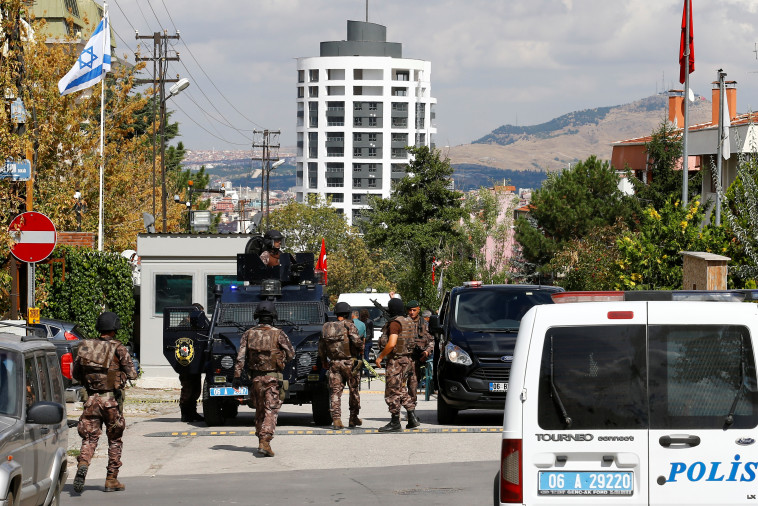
<point x="359" y="104"/>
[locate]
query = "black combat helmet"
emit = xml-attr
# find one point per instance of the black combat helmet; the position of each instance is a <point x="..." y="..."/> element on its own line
<point x="270" y="237"/>
<point x="108" y="322"/>
<point x="265" y="309"/>
<point x="396" y="307"/>
<point x="342" y="309"/>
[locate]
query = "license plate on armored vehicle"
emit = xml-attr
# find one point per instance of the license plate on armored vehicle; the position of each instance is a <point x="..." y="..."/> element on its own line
<point x="498" y="387"/>
<point x="227" y="391"/>
<point x="585" y="483"/>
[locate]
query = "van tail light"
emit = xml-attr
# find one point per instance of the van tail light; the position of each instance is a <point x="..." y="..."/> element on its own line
<point x="66" y="362"/>
<point x="510" y="472"/>
<point x="69" y="336"/>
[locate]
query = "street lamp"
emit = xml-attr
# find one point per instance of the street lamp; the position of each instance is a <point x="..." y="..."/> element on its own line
<point x="268" y="176"/>
<point x="175" y="89"/>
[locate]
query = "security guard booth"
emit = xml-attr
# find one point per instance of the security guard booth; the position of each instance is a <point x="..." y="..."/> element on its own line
<point x="178" y="270"/>
<point x="703" y="271"/>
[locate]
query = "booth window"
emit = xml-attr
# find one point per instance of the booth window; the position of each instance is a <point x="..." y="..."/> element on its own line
<point x="172" y="290"/>
<point x="217" y="279"/>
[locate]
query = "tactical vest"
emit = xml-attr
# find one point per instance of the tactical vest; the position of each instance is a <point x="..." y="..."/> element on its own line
<point x="263" y="353"/>
<point x="406" y="338"/>
<point x="100" y="365"/>
<point x="335" y="335"/>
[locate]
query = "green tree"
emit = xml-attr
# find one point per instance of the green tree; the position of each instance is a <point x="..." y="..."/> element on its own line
<point x="569" y="205"/>
<point x="650" y="258"/>
<point x="351" y="266"/>
<point x="664" y="150"/>
<point x="417" y="222"/>
<point x="590" y="262"/>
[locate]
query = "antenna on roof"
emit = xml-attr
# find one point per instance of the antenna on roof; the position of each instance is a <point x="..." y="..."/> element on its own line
<point x="366" y="11"/>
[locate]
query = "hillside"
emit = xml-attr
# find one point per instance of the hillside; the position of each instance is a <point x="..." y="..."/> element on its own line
<point x="569" y="138"/>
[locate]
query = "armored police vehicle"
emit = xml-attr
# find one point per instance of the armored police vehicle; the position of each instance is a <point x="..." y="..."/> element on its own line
<point x="634" y="398"/>
<point x="194" y="345"/>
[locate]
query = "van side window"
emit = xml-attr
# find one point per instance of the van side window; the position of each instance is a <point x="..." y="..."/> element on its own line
<point x="44" y="379"/>
<point x="598" y="374"/>
<point x="55" y="376"/>
<point x="32" y="390"/>
<point x="699" y="375"/>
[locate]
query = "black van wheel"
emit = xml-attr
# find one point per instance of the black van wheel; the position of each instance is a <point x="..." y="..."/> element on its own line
<point x="230" y="408"/>
<point x="212" y="408"/>
<point x="445" y="412"/>
<point x="320" y="406"/>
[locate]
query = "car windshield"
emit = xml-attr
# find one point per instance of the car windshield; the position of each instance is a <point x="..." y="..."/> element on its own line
<point x="10" y="384"/>
<point x="483" y="310"/>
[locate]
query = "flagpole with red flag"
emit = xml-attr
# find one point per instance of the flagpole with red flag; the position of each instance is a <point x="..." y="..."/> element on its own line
<point x="321" y="263"/>
<point x="686" y="66"/>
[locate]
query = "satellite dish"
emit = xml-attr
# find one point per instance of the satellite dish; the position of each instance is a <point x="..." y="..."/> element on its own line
<point x="691" y="95"/>
<point x="149" y="222"/>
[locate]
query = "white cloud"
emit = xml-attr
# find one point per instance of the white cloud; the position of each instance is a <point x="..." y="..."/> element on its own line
<point x="493" y="62"/>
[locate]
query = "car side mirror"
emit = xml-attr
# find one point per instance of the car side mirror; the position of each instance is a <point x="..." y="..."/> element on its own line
<point x="434" y="324"/>
<point x="45" y="413"/>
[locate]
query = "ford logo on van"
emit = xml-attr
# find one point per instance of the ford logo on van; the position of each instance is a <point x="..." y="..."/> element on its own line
<point x="506" y="358"/>
<point x="745" y="441"/>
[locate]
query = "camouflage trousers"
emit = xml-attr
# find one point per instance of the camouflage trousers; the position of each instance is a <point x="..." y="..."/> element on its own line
<point x="267" y="404"/>
<point x="341" y="372"/>
<point x="101" y="410"/>
<point x="191" y="389"/>
<point x="397" y="374"/>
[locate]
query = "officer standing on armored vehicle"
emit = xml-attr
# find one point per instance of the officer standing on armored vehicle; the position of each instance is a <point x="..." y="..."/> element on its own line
<point x="423" y="347"/>
<point x="103" y="365"/>
<point x="273" y="241"/>
<point x="398" y="333"/>
<point x="340" y="349"/>
<point x="264" y="351"/>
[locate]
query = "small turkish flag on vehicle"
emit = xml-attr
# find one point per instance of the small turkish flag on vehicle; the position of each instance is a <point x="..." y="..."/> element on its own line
<point x="321" y="264"/>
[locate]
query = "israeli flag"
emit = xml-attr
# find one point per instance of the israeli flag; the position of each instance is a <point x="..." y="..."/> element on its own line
<point x="92" y="64"/>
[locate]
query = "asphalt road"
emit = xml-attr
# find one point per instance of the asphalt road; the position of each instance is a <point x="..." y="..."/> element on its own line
<point x="170" y="462"/>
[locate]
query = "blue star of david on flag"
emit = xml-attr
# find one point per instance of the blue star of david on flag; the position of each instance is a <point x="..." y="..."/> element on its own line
<point x="93" y="62"/>
<point x="90" y="55"/>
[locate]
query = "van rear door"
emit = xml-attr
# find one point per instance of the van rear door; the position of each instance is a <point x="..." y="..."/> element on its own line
<point x="585" y="405"/>
<point x="703" y="410"/>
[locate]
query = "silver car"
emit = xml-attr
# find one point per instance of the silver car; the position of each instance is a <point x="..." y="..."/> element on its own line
<point x="33" y="429"/>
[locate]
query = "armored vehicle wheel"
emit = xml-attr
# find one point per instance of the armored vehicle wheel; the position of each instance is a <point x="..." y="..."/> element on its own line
<point x="445" y="412"/>
<point x="230" y="408"/>
<point x="212" y="408"/>
<point x="320" y="406"/>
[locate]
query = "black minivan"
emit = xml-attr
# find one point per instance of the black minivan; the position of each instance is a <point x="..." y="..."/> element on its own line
<point x="475" y="333"/>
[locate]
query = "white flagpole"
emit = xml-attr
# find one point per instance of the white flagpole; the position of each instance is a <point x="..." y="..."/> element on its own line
<point x="102" y="134"/>
<point x="685" y="158"/>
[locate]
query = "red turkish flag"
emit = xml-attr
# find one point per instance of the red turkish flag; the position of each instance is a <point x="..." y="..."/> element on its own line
<point x="321" y="263"/>
<point x="682" y="61"/>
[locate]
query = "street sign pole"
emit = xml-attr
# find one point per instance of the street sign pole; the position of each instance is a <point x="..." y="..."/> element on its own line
<point x="30" y="295"/>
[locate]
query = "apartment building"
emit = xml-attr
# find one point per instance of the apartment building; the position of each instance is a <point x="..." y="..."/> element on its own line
<point x="359" y="104"/>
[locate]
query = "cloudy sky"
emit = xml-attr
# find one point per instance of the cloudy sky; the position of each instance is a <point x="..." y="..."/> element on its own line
<point x="494" y="62"/>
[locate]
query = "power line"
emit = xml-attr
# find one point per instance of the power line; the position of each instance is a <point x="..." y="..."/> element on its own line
<point x="235" y="108"/>
<point x="210" y="116"/>
<point x="206" y="130"/>
<point x="224" y="120"/>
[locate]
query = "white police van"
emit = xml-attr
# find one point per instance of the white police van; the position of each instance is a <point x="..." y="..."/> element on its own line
<point x="633" y="402"/>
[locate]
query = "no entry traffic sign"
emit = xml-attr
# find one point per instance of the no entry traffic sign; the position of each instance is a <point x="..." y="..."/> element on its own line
<point x="34" y="236"/>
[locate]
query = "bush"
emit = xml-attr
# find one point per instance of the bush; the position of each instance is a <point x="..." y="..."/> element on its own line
<point x="93" y="282"/>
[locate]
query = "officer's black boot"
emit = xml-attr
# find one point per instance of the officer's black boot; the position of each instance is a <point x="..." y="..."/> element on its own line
<point x="81" y="474"/>
<point x="413" y="420"/>
<point x="186" y="417"/>
<point x="393" y="426"/>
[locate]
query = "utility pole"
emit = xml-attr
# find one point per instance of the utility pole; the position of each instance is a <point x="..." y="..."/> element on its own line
<point x="160" y="60"/>
<point x="268" y="139"/>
